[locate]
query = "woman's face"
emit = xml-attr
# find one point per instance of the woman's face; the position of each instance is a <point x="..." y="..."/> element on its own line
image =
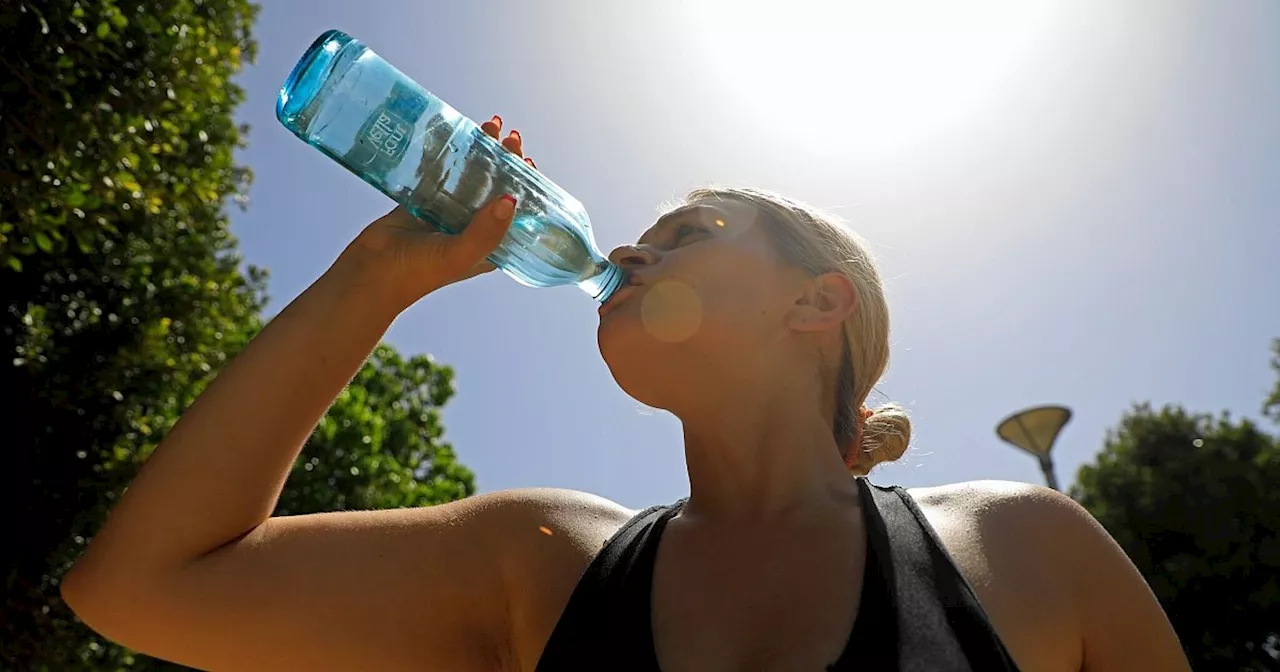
<point x="708" y="300"/>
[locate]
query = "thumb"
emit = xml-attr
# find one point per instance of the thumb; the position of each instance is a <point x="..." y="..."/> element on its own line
<point x="486" y="229"/>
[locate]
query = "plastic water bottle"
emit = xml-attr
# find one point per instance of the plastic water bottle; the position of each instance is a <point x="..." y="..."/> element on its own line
<point x="346" y="101"/>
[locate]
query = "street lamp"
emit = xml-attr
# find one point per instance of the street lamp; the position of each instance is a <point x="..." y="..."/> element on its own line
<point x="1034" y="430"/>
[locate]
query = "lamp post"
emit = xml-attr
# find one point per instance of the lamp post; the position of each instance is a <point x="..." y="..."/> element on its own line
<point x="1035" y="430"/>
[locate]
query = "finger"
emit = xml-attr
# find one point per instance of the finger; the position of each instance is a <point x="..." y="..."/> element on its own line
<point x="493" y="127"/>
<point x="485" y="231"/>
<point x="400" y="217"/>
<point x="530" y="162"/>
<point x="514" y="143"/>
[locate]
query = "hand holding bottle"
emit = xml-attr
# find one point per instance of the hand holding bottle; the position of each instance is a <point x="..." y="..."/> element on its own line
<point x="407" y="258"/>
<point x="363" y="113"/>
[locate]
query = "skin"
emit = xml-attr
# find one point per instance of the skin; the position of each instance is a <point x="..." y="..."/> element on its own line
<point x="191" y="566"/>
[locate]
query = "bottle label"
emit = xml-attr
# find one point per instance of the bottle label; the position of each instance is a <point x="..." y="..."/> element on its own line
<point x="387" y="133"/>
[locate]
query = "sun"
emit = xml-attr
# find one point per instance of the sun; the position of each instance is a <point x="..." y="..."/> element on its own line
<point x="892" y="73"/>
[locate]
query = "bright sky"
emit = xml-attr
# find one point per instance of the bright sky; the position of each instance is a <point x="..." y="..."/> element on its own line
<point x="1074" y="201"/>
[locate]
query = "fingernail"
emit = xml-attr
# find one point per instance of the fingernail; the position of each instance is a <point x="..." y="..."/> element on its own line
<point x="515" y="134"/>
<point x="505" y="207"/>
<point x="496" y="120"/>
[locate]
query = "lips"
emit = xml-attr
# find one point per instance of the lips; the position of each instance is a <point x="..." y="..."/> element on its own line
<point x="614" y="301"/>
<point x="620" y="295"/>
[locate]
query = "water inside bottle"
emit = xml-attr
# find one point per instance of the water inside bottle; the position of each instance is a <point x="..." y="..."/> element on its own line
<point x="421" y="152"/>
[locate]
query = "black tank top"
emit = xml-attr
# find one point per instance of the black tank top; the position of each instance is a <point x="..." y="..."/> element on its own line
<point x="916" y="613"/>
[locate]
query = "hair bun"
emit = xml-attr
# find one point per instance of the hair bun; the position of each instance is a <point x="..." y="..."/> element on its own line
<point x="885" y="437"/>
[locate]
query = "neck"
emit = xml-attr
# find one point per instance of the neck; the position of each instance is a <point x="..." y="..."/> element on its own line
<point x="755" y="457"/>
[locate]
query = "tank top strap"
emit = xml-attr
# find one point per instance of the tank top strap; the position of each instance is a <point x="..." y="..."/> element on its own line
<point x="940" y="624"/>
<point x="605" y="625"/>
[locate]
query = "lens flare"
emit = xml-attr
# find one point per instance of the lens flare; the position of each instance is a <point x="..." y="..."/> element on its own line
<point x="671" y="311"/>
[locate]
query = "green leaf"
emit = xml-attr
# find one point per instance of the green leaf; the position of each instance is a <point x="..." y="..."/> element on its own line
<point x="103" y="30"/>
<point x="15" y="264"/>
<point x="43" y="242"/>
<point x="127" y="182"/>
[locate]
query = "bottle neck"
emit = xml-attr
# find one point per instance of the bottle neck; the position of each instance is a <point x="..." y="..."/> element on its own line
<point x="606" y="280"/>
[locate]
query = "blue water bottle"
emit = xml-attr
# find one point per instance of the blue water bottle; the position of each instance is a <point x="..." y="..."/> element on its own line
<point x="344" y="100"/>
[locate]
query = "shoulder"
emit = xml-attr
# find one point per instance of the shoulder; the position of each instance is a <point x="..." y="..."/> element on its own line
<point x="545" y="539"/>
<point x="570" y="506"/>
<point x="548" y="524"/>
<point x="1009" y="522"/>
<point x="1006" y="508"/>
<point x="1055" y="584"/>
<point x="982" y="496"/>
<point x="1014" y="543"/>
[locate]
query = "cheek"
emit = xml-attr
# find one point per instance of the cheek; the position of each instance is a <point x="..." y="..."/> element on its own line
<point x="720" y="296"/>
<point x="672" y="311"/>
<point x="714" y="297"/>
<point x="691" y="317"/>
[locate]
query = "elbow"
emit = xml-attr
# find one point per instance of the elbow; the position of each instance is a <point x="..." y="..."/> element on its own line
<point x="85" y="595"/>
<point x="99" y="600"/>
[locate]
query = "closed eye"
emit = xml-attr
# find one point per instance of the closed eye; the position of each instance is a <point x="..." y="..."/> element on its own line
<point x="684" y="231"/>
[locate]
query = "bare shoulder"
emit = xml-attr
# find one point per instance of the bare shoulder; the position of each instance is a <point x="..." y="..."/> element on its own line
<point x="1014" y="518"/>
<point x="1060" y="592"/>
<point x="547" y="529"/>
<point x="575" y="509"/>
<point x="1003" y="530"/>
<point x="550" y="536"/>
<point x="1014" y="523"/>
<point x="569" y="515"/>
<point x="976" y="498"/>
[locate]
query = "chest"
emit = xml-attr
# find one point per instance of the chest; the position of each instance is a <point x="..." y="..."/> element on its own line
<point x="769" y="599"/>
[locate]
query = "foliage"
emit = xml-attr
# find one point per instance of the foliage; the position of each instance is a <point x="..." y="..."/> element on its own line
<point x="380" y="445"/>
<point x="117" y="117"/>
<point x="121" y="294"/>
<point x="120" y="286"/>
<point x="1271" y="407"/>
<point x="1193" y="500"/>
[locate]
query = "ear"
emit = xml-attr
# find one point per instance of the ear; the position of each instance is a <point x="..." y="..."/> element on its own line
<point x="826" y="302"/>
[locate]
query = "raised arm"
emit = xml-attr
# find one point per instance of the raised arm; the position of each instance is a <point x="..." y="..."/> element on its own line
<point x="190" y="567"/>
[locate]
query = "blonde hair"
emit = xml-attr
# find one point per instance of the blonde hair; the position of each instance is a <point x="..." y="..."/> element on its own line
<point x="819" y="243"/>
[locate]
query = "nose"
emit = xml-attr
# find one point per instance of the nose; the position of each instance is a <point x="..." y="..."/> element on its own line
<point x="633" y="256"/>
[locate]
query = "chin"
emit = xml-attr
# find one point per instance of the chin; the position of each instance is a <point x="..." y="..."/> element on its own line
<point x="647" y="369"/>
<point x="657" y="343"/>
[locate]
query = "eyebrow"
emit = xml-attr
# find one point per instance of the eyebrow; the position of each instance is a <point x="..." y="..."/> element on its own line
<point x="680" y="213"/>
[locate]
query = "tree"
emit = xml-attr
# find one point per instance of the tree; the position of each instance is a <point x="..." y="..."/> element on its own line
<point x="1271" y="407"/>
<point x="120" y="285"/>
<point x="380" y="446"/>
<point x="1193" y="500"/>
<point x="121" y="294"/>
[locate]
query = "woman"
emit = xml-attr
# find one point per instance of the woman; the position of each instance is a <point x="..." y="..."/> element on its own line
<point x="758" y="323"/>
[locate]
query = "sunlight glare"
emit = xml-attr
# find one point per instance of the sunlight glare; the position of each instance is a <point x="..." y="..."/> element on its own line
<point x="885" y="74"/>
